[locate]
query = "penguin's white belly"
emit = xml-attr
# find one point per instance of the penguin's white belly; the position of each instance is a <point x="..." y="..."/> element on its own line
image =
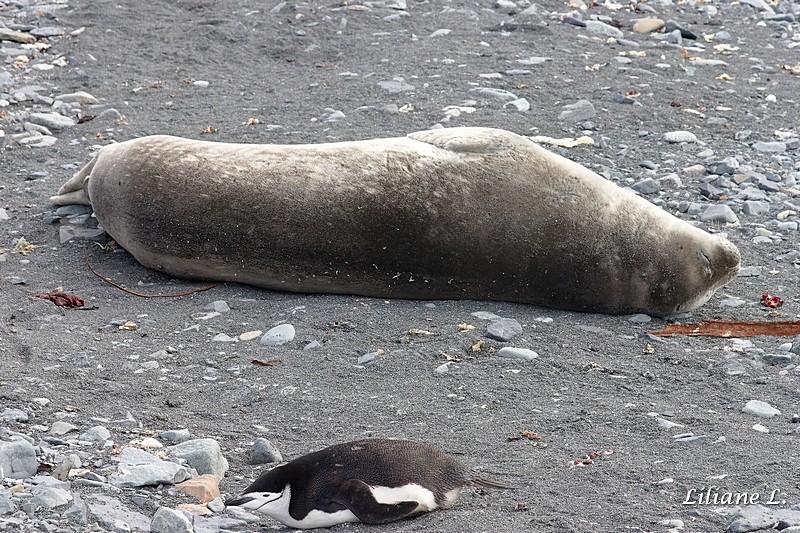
<point x="411" y="492"/>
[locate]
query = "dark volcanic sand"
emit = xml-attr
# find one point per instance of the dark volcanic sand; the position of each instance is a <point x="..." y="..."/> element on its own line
<point x="590" y="389"/>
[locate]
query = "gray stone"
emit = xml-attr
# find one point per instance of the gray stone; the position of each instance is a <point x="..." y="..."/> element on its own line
<point x="679" y="137"/>
<point x="777" y="359"/>
<point x="110" y="511"/>
<point x="59" y="427"/>
<point x="7" y="505"/>
<point x="752" y="518"/>
<point x="53" y="121"/>
<point x="517" y="353"/>
<point x="601" y="28"/>
<point x="204" y="455"/>
<point x="497" y="94"/>
<point x="646" y="186"/>
<point x="168" y="520"/>
<point x="755" y="207"/>
<point x="367" y="358"/>
<point x="263" y="451"/>
<point x="14" y="415"/>
<point x="137" y="468"/>
<point x="18" y="459"/>
<point x="577" y="112"/>
<point x="311" y="345"/>
<point x="485" y="315"/>
<point x="503" y="329"/>
<point x="50" y="497"/>
<point x="719" y="213"/>
<point x="640" y="318"/>
<point x="78" y="511"/>
<point x="98" y="434"/>
<point x="760" y="5"/>
<point x="760" y="409"/>
<point x="774" y="147"/>
<point x="175" y="436"/>
<point x="278" y="335"/>
<point x="691" y="439"/>
<point x="397" y="85"/>
<point x="749" y="272"/>
<point x="79" y="97"/>
<point x="220" y="306"/>
<point x="222" y="337"/>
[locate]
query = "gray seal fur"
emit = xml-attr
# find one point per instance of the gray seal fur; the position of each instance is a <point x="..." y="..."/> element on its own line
<point x="460" y="213"/>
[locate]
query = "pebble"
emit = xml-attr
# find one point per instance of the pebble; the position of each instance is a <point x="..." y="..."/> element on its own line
<point x="503" y="329"/>
<point x="278" y="335"/>
<point x="175" y="436"/>
<point x="168" y="520"/>
<point x="646" y="186"/>
<point x="577" y="112"/>
<point x="53" y="121"/>
<point x="203" y="488"/>
<point x="485" y="315"/>
<point x="719" y="213"/>
<point x="18" y="459"/>
<point x="774" y="147"/>
<point x="601" y="28"/>
<point x="648" y="25"/>
<point x="263" y="451"/>
<point x="138" y="468"/>
<point x="517" y="353"/>
<point x="204" y="455"/>
<point x="760" y="409"/>
<point x="640" y="318"/>
<point x="679" y="136"/>
<point x="220" y="306"/>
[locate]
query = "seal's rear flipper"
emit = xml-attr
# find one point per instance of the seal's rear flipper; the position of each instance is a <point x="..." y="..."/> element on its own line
<point x="74" y="190"/>
<point x="469" y="140"/>
<point x="357" y="496"/>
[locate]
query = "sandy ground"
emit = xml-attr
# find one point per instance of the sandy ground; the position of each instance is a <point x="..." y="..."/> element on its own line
<point x="598" y="380"/>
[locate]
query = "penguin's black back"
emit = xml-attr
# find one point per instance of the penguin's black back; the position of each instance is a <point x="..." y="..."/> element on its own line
<point x="377" y="462"/>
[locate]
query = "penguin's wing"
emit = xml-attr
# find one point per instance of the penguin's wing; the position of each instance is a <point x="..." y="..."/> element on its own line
<point x="358" y="497"/>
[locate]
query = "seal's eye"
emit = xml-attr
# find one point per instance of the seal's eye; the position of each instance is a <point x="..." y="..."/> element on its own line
<point x="706" y="262"/>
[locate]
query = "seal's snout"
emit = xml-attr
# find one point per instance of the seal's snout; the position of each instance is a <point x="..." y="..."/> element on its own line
<point x="725" y="260"/>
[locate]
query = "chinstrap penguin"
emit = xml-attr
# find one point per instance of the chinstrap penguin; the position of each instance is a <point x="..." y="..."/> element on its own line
<point x="373" y="481"/>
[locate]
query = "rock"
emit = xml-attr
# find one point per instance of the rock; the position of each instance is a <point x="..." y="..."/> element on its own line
<point x="497" y="94"/>
<point x="601" y="28"/>
<point x="115" y="515"/>
<point x="220" y="306"/>
<point x="168" y="520"/>
<point x="397" y="85"/>
<point x="50" y="497"/>
<point x="278" y="335"/>
<point x="59" y="427"/>
<point x="648" y="25"/>
<point x="79" y="97"/>
<point x="485" y="315"/>
<point x="7" y="505"/>
<point x="204" y="455"/>
<point x="749" y="272"/>
<point x="520" y="104"/>
<point x="53" y="121"/>
<point x="97" y="434"/>
<point x="679" y="137"/>
<point x="18" y="459"/>
<point x="755" y="207"/>
<point x="263" y="451"/>
<point x="646" y="186"/>
<point x="640" y="318"/>
<point x="577" y="112"/>
<point x="175" y="436"/>
<point x="517" y="353"/>
<point x="16" y="36"/>
<point x="204" y="488"/>
<point x="775" y="147"/>
<point x="137" y="468"/>
<point x="503" y="329"/>
<point x="719" y="213"/>
<point x="760" y="409"/>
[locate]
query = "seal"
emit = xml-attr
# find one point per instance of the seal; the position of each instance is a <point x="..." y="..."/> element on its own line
<point x="460" y="213"/>
<point x="375" y="481"/>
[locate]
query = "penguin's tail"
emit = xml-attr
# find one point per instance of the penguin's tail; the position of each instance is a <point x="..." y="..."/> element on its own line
<point x="489" y="484"/>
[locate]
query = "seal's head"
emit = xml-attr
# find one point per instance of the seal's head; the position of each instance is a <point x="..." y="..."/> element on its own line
<point x="719" y="261"/>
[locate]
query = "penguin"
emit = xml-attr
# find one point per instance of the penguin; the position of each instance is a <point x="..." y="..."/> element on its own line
<point x="374" y="481"/>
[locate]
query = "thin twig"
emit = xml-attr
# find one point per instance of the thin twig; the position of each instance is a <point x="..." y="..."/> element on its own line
<point x="139" y="294"/>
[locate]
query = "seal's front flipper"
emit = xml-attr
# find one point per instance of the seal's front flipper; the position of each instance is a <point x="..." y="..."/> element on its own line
<point x="358" y="497"/>
<point x="470" y="140"/>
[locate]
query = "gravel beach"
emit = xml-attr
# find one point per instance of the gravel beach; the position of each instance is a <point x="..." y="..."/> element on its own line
<point x="144" y="414"/>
